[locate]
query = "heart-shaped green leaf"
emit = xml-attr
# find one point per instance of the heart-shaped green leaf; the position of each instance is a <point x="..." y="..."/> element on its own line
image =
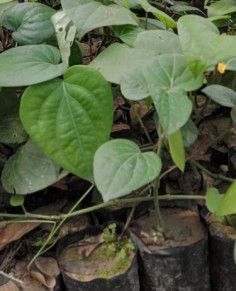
<point x="120" y="168"/>
<point x="31" y="64"/>
<point x="69" y="119"/>
<point x="221" y="95"/>
<point x="125" y="59"/>
<point x="11" y="129"/>
<point x="167" y="80"/>
<point x="202" y="43"/>
<point x="28" y="171"/>
<point x="30" y="22"/>
<point x="88" y="15"/>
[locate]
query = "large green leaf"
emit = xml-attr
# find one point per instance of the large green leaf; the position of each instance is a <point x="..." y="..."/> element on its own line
<point x="88" y="15"/>
<point x="28" y="171"/>
<point x="31" y="64"/>
<point x="5" y="5"/>
<point x="30" y="22"/>
<point x="221" y="95"/>
<point x="118" y="59"/>
<point x="158" y="41"/>
<point x="197" y="36"/>
<point x="228" y="204"/>
<point x="11" y="129"/>
<point x="202" y="43"/>
<point x="120" y="168"/>
<point x="177" y="149"/>
<point x="221" y="7"/>
<point x="69" y="119"/>
<point x="167" y="80"/>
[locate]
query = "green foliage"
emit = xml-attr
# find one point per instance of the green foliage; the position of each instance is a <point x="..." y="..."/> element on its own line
<point x="189" y="133"/>
<point x="28" y="171"/>
<point x="30" y="22"/>
<point x="196" y="46"/>
<point x="125" y="58"/>
<point x="68" y="111"/>
<point x="88" y="15"/>
<point x="221" y="95"/>
<point x="167" y="81"/>
<point x="177" y="149"/>
<point x="17" y="200"/>
<point x="213" y="199"/>
<point x="221" y="7"/>
<point x="11" y="129"/>
<point x="69" y="119"/>
<point x="109" y="233"/>
<point x="120" y="168"/>
<point x="222" y="205"/>
<point x="228" y="204"/>
<point x="31" y="64"/>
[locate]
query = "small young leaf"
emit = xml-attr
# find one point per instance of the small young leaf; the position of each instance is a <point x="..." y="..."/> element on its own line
<point x="120" y="168"/>
<point x="31" y="64"/>
<point x="30" y="22"/>
<point x="213" y="199"/>
<point x="228" y="203"/>
<point x="17" y="200"/>
<point x="177" y="149"/>
<point x="221" y="95"/>
<point x="69" y="119"/>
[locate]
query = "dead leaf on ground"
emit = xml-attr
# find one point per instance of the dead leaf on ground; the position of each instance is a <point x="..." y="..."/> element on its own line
<point x="42" y="275"/>
<point x="14" y="231"/>
<point x="139" y="109"/>
<point x="9" y="286"/>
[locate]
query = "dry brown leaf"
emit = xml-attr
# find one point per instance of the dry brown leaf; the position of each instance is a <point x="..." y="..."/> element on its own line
<point x="14" y="231"/>
<point x="141" y="109"/>
<point x="47" y="266"/>
<point x="9" y="286"/>
<point x="120" y="127"/>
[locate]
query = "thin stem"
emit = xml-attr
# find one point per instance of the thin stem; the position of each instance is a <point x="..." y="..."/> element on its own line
<point x="213" y="175"/>
<point x="118" y="203"/>
<point x="142" y="125"/>
<point x="8" y="276"/>
<point x="57" y="227"/>
<point x="159" y="221"/>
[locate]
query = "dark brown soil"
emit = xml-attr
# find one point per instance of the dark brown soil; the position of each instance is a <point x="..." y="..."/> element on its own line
<point x="182" y="228"/>
<point x="93" y="258"/>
